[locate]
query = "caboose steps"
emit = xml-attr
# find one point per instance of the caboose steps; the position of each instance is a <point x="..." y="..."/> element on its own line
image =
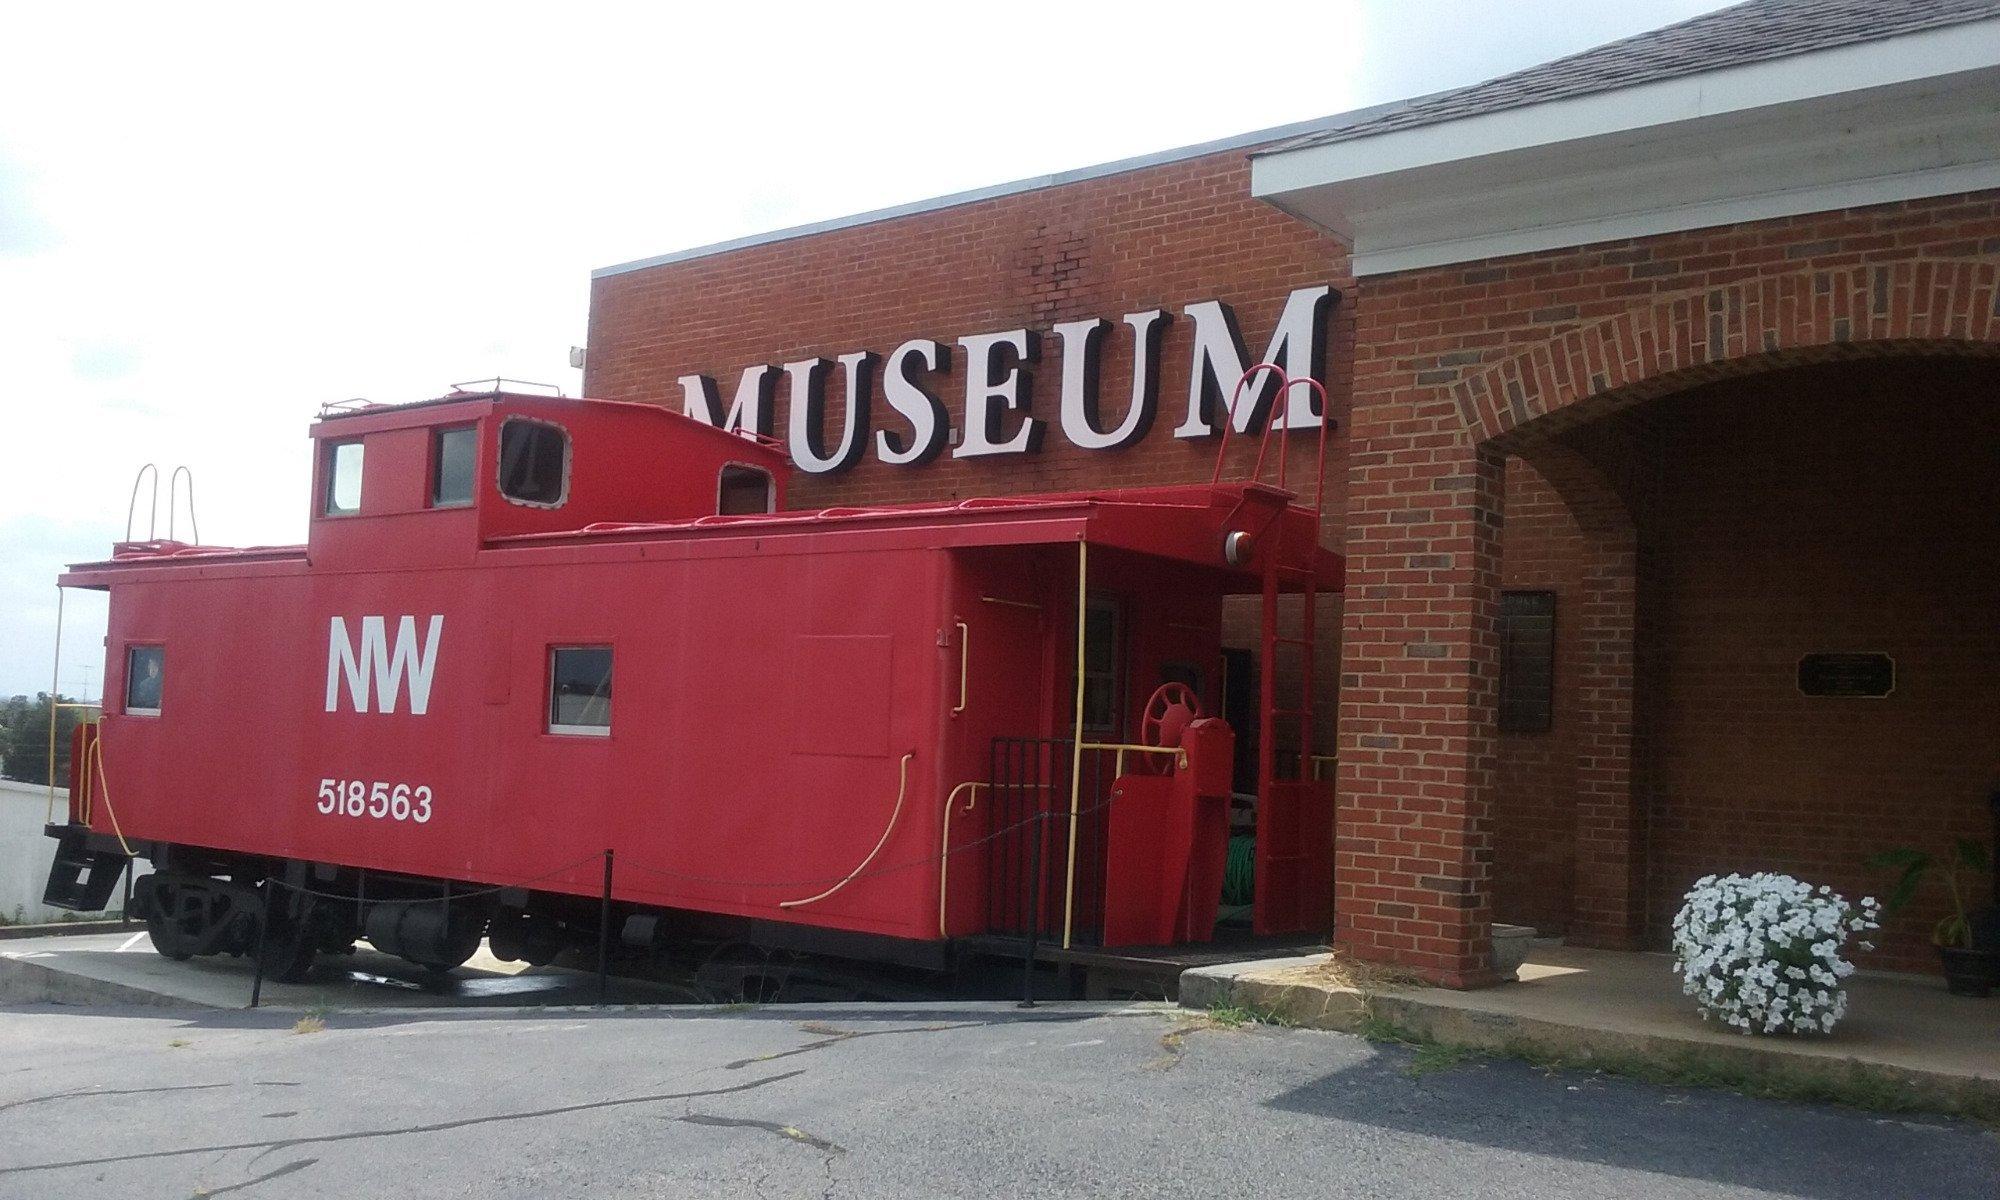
<point x="82" y="878"/>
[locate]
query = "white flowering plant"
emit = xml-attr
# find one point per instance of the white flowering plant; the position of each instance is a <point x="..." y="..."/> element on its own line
<point x="1762" y="953"/>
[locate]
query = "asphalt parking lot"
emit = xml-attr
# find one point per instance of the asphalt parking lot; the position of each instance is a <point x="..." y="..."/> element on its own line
<point x="853" y="1100"/>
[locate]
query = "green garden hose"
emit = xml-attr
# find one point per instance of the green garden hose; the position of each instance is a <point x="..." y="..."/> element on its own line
<point x="1239" y="877"/>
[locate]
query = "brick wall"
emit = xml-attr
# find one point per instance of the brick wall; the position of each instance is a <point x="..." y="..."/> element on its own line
<point x="1164" y="237"/>
<point x="1456" y="368"/>
<point x="1453" y="375"/>
<point x="1534" y="834"/>
<point x="1834" y="508"/>
<point x="1161" y="237"/>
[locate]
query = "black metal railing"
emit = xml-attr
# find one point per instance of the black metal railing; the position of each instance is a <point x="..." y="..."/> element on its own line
<point x="1032" y="890"/>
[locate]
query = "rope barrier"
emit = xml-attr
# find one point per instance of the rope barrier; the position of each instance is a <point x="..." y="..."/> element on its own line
<point x="348" y="897"/>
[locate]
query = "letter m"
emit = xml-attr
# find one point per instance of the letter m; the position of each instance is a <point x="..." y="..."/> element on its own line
<point x="1297" y="347"/>
<point x="375" y="672"/>
<point x="751" y="408"/>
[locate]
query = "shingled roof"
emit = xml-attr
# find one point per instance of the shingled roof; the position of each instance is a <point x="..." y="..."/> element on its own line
<point x="1743" y="33"/>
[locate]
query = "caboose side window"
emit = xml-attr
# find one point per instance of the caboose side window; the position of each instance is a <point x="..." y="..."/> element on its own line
<point x="452" y="452"/>
<point x="145" y="679"/>
<point x="744" y="489"/>
<point x="580" y="690"/>
<point x="534" y="462"/>
<point x="343" y="479"/>
<point x="1103" y="666"/>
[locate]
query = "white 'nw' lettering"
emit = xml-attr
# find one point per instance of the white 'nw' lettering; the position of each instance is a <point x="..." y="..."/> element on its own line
<point x="376" y="673"/>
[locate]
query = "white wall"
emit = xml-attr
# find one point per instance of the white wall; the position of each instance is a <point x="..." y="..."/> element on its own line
<point x="25" y="854"/>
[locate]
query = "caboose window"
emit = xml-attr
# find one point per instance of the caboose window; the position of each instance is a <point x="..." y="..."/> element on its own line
<point x="343" y="479"/>
<point x="451" y="467"/>
<point x="1103" y="666"/>
<point x="534" y="462"/>
<point x="744" y="490"/>
<point x="580" y="690"/>
<point x="145" y="678"/>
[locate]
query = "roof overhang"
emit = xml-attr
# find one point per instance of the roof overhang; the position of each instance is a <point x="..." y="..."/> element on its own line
<point x="1868" y="123"/>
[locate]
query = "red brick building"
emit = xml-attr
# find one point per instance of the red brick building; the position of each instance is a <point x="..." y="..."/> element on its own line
<point x="1666" y="457"/>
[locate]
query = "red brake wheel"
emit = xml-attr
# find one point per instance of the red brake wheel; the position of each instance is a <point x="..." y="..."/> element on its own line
<point x="1169" y="711"/>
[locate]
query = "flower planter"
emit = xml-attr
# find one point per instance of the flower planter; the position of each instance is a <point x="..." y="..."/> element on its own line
<point x="1510" y="949"/>
<point x="1763" y="953"/>
<point x="1970" y="972"/>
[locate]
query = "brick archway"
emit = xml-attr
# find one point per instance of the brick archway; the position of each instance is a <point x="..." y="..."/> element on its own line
<point x="1419" y="672"/>
<point x="1926" y="306"/>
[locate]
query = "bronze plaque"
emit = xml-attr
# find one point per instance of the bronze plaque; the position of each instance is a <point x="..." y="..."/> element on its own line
<point x="1847" y="674"/>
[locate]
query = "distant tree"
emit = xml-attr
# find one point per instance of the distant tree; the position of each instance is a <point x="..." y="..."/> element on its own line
<point x="25" y="748"/>
<point x="13" y="711"/>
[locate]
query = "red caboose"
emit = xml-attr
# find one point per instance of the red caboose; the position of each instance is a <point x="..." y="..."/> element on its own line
<point x="537" y="647"/>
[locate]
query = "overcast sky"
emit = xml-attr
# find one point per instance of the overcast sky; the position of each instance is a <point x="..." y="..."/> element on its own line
<point x="213" y="219"/>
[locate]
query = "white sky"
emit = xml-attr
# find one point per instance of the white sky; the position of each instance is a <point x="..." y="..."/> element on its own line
<point x="214" y="218"/>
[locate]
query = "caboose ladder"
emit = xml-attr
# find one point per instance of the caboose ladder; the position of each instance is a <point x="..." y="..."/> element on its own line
<point x="1294" y="883"/>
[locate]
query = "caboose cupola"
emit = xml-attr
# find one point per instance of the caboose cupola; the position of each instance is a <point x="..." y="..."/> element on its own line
<point x="430" y="483"/>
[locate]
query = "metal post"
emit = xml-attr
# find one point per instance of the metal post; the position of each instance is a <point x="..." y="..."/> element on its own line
<point x="1076" y="737"/>
<point x="604" y="935"/>
<point x="263" y="940"/>
<point x="55" y="693"/>
<point x="1034" y="907"/>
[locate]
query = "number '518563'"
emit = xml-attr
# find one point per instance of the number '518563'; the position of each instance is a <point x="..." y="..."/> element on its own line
<point x="383" y="801"/>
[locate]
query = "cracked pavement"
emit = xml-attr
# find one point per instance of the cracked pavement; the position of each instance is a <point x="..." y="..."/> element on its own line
<point x="889" y="1101"/>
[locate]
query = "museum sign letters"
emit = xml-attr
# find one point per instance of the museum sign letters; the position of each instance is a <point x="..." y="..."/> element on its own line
<point x="998" y="370"/>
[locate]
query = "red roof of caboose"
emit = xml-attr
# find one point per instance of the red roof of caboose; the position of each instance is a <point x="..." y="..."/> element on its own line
<point x="642" y="474"/>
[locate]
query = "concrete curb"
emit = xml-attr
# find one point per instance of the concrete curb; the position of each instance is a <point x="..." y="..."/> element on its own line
<point x="25" y="981"/>
<point x="64" y="929"/>
<point x="1274" y="987"/>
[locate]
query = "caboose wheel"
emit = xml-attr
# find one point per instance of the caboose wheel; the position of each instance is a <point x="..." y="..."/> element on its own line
<point x="168" y="939"/>
<point x="515" y="936"/>
<point x="169" y="916"/>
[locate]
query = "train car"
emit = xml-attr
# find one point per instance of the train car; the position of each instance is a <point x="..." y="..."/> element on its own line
<point x="546" y="666"/>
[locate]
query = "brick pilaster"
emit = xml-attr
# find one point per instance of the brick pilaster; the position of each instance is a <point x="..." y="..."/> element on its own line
<point x="1419" y="655"/>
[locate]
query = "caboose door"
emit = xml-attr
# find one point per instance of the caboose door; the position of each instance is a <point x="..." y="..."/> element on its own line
<point x="998" y="689"/>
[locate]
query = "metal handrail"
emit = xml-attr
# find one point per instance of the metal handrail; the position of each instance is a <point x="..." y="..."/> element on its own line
<point x="964" y="665"/>
<point x="1118" y="762"/>
<point x="152" y="510"/>
<point x="944" y="846"/>
<point x="173" y="496"/>
<point x="1286" y="383"/>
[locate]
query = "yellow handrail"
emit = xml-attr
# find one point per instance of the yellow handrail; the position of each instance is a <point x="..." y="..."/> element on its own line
<point x="1118" y="763"/>
<point x="902" y="790"/>
<point x="55" y="708"/>
<point x="55" y="688"/>
<point x="1076" y="759"/>
<point x="94" y="759"/>
<point x="964" y="663"/>
<point x="944" y="848"/>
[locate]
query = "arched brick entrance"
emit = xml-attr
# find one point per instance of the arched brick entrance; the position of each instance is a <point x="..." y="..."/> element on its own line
<point x="1420" y="648"/>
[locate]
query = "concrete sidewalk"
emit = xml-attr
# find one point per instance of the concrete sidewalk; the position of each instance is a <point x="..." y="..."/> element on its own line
<point x="1906" y="1042"/>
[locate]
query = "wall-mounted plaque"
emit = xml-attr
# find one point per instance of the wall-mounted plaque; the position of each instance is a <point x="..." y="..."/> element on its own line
<point x="1847" y="674"/>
